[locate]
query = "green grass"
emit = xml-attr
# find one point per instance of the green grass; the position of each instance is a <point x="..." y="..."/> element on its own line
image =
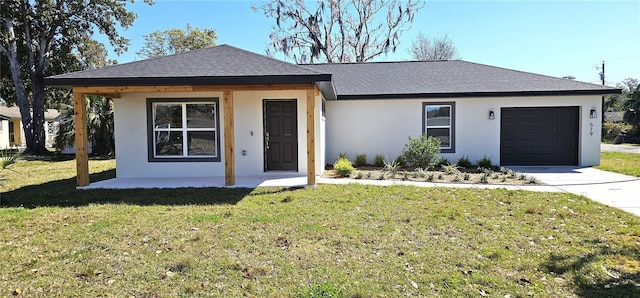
<point x="329" y="241"/>
<point x="623" y="163"/>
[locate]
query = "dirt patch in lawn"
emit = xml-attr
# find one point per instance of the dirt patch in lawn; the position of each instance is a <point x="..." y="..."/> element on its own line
<point x="501" y="176"/>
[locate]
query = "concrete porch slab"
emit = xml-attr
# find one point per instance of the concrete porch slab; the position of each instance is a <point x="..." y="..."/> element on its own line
<point x="199" y="182"/>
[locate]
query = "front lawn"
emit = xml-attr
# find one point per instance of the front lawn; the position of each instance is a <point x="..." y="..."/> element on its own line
<point x="353" y="240"/>
<point x="623" y="163"/>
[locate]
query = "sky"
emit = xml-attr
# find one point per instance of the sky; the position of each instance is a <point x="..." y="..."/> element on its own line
<point x="555" y="38"/>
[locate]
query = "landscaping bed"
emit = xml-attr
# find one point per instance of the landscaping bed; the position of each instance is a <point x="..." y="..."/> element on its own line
<point x="446" y="174"/>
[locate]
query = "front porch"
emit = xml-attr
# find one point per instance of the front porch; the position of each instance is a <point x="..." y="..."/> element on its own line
<point x="267" y="180"/>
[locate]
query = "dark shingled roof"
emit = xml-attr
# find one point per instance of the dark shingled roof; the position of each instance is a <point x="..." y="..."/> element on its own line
<point x="452" y="78"/>
<point x="225" y="64"/>
<point x="221" y="64"/>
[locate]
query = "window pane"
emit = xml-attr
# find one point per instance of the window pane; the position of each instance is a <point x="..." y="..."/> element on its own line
<point x="441" y="134"/>
<point x="168" y="143"/>
<point x="168" y="115"/>
<point x="201" y="115"/>
<point x="202" y="143"/>
<point x="438" y="115"/>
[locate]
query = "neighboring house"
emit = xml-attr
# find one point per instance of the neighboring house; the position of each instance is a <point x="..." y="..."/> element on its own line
<point x="614" y="116"/>
<point x="224" y="111"/>
<point x="11" y="133"/>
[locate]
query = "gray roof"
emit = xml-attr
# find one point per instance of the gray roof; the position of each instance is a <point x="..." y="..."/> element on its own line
<point x="221" y="64"/>
<point x="225" y="64"/>
<point x="445" y="79"/>
<point x="14" y="113"/>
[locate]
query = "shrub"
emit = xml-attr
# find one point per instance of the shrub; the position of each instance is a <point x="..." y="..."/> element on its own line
<point x="484" y="179"/>
<point x="343" y="167"/>
<point x="485" y="162"/>
<point x="464" y="162"/>
<point x="610" y="130"/>
<point x="342" y="155"/>
<point x="443" y="162"/>
<point x="361" y="160"/>
<point x="451" y="169"/>
<point x="421" y="151"/>
<point x="378" y="161"/>
<point x="391" y="167"/>
<point x="400" y="161"/>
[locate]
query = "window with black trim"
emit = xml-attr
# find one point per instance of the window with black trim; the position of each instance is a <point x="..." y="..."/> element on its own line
<point x="183" y="129"/>
<point x="438" y="119"/>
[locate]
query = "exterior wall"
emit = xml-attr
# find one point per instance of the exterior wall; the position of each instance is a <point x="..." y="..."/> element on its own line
<point x="4" y="134"/>
<point x="383" y="126"/>
<point x="131" y="135"/>
<point x="19" y="138"/>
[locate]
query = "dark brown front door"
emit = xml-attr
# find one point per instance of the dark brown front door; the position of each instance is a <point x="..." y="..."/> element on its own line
<point x="280" y="135"/>
<point x="539" y="136"/>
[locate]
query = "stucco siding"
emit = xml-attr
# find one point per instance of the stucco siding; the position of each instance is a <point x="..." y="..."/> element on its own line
<point x="131" y="135"/>
<point x="4" y="134"/>
<point x="383" y="126"/>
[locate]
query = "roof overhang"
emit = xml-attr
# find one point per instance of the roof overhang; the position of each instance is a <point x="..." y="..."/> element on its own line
<point x="161" y="81"/>
<point x="479" y="94"/>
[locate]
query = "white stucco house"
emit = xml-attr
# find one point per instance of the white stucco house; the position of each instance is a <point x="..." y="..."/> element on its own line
<point x="12" y="134"/>
<point x="227" y="112"/>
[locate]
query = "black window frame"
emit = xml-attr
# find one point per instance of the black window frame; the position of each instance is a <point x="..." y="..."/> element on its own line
<point x="452" y="140"/>
<point x="150" y="135"/>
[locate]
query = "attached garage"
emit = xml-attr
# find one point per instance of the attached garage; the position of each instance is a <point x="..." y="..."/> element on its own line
<point x="539" y="136"/>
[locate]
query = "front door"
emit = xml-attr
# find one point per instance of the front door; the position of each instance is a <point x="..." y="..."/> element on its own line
<point x="280" y="135"/>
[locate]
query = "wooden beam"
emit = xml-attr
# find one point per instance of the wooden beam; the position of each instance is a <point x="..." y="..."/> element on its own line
<point x="82" y="143"/>
<point x="187" y="88"/>
<point x="109" y="95"/>
<point x="229" y="139"/>
<point x="311" y="137"/>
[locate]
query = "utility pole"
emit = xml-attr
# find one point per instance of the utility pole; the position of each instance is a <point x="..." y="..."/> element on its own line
<point x="602" y="77"/>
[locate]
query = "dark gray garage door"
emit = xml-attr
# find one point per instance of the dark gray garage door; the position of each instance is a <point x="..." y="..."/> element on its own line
<point x="539" y="136"/>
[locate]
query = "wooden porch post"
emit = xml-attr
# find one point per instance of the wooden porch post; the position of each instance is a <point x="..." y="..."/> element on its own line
<point x="311" y="137"/>
<point x="82" y="143"/>
<point x="229" y="143"/>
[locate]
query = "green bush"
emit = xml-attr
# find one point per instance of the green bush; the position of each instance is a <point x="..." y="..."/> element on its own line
<point x="378" y="161"/>
<point x="343" y="167"/>
<point x="464" y="162"/>
<point x="342" y="155"/>
<point x="421" y="152"/>
<point x="485" y="162"/>
<point x="610" y="130"/>
<point x="361" y="160"/>
<point x="443" y="162"/>
<point x="400" y="161"/>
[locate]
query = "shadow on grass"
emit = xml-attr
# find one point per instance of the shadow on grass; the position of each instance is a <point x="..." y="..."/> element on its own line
<point x="618" y="283"/>
<point x="63" y="193"/>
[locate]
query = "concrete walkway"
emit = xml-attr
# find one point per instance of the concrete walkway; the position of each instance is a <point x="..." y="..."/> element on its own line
<point x="612" y="189"/>
<point x="620" y="148"/>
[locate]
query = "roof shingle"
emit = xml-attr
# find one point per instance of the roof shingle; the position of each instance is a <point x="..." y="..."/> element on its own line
<point x="439" y="78"/>
<point x="225" y="64"/>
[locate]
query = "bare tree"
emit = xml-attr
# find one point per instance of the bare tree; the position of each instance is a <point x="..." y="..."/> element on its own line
<point x="337" y="30"/>
<point x="441" y="48"/>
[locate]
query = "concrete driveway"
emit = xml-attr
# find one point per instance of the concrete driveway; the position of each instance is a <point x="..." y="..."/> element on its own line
<point x="612" y="189"/>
